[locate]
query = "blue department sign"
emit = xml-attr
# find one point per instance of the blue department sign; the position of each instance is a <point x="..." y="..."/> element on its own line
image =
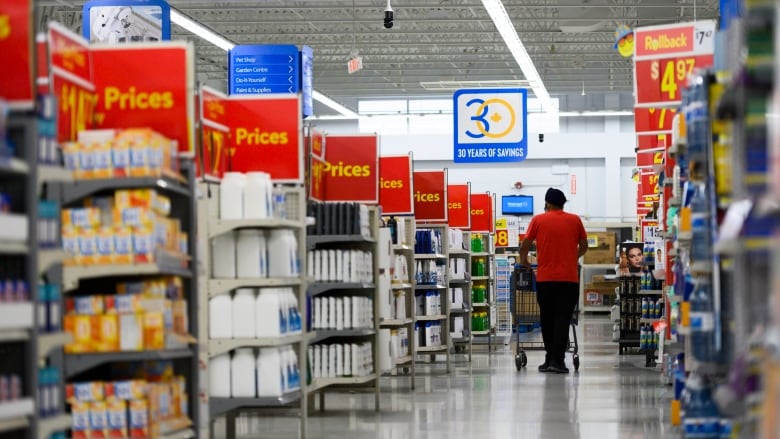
<point x="490" y="125"/>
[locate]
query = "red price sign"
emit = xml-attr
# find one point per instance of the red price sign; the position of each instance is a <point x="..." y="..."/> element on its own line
<point x="72" y="84"/>
<point x="482" y="213"/>
<point x="660" y="81"/>
<point x="214" y="132"/>
<point x="458" y="206"/>
<point x="317" y="179"/>
<point x="430" y="196"/>
<point x="502" y="238"/>
<point x="317" y="143"/>
<point x="16" y="45"/>
<point x="649" y="184"/>
<point x="396" y="188"/>
<point x="653" y="119"/>
<point x="351" y="171"/>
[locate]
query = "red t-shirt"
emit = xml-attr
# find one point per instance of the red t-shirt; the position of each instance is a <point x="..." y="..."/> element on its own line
<point x="557" y="235"/>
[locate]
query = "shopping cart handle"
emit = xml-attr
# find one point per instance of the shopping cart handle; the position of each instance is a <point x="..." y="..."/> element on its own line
<point x="523" y="267"/>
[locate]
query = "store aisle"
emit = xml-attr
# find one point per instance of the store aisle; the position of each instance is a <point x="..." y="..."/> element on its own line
<point x="610" y="397"/>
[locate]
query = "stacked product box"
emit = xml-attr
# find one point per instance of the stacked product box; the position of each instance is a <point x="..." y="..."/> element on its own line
<point x="129" y="227"/>
<point x="100" y="154"/>
<point x="142" y="315"/>
<point x="129" y="408"/>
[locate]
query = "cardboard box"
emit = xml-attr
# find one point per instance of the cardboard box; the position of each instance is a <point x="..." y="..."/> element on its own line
<point x="601" y="248"/>
<point x="116" y="411"/>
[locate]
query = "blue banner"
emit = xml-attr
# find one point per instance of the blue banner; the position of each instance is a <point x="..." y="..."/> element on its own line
<point x="260" y="69"/>
<point x="307" y="80"/>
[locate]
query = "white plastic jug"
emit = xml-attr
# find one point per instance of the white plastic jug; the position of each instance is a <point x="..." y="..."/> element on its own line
<point x="268" y="314"/>
<point x="250" y="254"/>
<point x="257" y="196"/>
<point x="280" y="254"/>
<point x="244" y="313"/>
<point x="270" y="380"/>
<point x="223" y="256"/>
<point x="242" y="379"/>
<point x="221" y="316"/>
<point x="231" y="200"/>
<point x="219" y="376"/>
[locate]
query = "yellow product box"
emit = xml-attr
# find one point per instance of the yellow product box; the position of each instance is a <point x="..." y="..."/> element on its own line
<point x="160" y="305"/>
<point x="184" y="244"/>
<point x="70" y="155"/>
<point x="123" y="245"/>
<point x="87" y="391"/>
<point x="104" y="243"/>
<point x="80" y="326"/>
<point x="181" y="324"/>
<point x="154" y="331"/>
<point x="127" y="198"/>
<point x="161" y="233"/>
<point x="70" y="243"/>
<point x="86" y="156"/>
<point x="156" y="152"/>
<point x="183" y="408"/>
<point x="98" y="421"/>
<point x="143" y="245"/>
<point x="131" y="332"/>
<point x="126" y="390"/>
<point x="139" y="159"/>
<point x="107" y="326"/>
<point x="135" y="217"/>
<point x="89" y="305"/>
<point x="123" y="304"/>
<point x="116" y="411"/>
<point x="81" y="217"/>
<point x="139" y="419"/>
<point x="87" y="247"/>
<point x="101" y="153"/>
<point x="79" y="413"/>
<point x="172" y="232"/>
<point x="120" y="158"/>
<point x="153" y="400"/>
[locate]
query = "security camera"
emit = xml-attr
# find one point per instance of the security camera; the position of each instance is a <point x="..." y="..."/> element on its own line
<point x="541" y="138"/>
<point x="388" y="16"/>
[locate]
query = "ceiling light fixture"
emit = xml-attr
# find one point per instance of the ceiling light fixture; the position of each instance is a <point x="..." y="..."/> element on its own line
<point x="497" y="12"/>
<point x="223" y="43"/>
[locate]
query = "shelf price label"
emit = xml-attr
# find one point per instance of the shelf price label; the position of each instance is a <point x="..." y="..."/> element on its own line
<point x="502" y="238"/>
<point x="660" y="82"/>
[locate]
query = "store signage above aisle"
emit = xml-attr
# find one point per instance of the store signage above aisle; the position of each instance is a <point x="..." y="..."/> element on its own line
<point x="430" y="196"/>
<point x="664" y="57"/>
<point x="396" y="187"/>
<point x="351" y="169"/>
<point x="307" y="80"/>
<point x="71" y="81"/>
<point x="263" y="69"/>
<point x="266" y="135"/>
<point x="482" y="213"/>
<point x="459" y="206"/>
<point x="126" y="21"/>
<point x="490" y="125"/>
<point x="134" y="89"/>
<point x="16" y="45"/>
<point x="215" y="130"/>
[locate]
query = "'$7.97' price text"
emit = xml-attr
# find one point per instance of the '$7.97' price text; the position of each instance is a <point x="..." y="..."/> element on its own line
<point x="672" y="73"/>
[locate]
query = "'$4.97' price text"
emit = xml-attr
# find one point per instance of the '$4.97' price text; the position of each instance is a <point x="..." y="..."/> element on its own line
<point x="672" y="73"/>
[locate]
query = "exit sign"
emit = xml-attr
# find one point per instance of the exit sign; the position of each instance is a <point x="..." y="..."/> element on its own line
<point x="355" y="64"/>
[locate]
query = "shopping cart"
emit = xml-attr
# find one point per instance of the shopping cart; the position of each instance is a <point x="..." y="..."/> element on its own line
<point x="526" y="313"/>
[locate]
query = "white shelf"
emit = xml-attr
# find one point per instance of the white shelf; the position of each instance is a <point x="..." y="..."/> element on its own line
<point x="14" y="335"/>
<point x="402" y="248"/>
<point x="50" y="341"/>
<point x="480" y="332"/>
<point x="429" y="256"/>
<point x="219" y="226"/>
<point x="597" y="308"/>
<point x="16" y="316"/>
<point x="15" y="414"/>
<point x="321" y="383"/>
<point x="73" y="273"/>
<point x="480" y="254"/>
<point x="13" y="166"/>
<point x="394" y="323"/>
<point x="403" y="286"/>
<point x="477" y="278"/>
<point x="701" y="267"/>
<point x="220" y="346"/>
<point x="431" y="348"/>
<point x="220" y="286"/>
<point x="14" y="232"/>
<point x="430" y="287"/>
<point x="50" y="256"/>
<point x="403" y="360"/>
<point x="53" y="424"/>
<point x="52" y="173"/>
<point x="480" y="305"/>
<point x="13" y="247"/>
<point x="650" y="292"/>
<point x="458" y="252"/>
<point x="430" y="318"/>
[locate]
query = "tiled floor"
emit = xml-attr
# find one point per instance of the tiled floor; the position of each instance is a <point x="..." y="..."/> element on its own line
<point x="610" y="397"/>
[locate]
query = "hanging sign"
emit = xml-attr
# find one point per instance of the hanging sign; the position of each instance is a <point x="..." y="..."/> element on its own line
<point x="136" y="90"/>
<point x="459" y="206"/>
<point x="307" y="81"/>
<point x="649" y="185"/>
<point x="430" y="196"/>
<point x="490" y="125"/>
<point x="317" y="143"/>
<point x="317" y="179"/>
<point x="16" y="45"/>
<point x="71" y="81"/>
<point x="126" y="21"/>
<point x="264" y="68"/>
<point x="351" y="171"/>
<point x="214" y="133"/>
<point x="653" y="120"/>
<point x="396" y="189"/>
<point x="664" y="57"/>
<point x="482" y="213"/>
<point x="266" y="135"/>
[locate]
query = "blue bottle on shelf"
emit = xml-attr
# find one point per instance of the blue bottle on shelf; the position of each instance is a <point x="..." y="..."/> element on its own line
<point x="701" y="246"/>
<point x="702" y="419"/>
<point x="702" y="322"/>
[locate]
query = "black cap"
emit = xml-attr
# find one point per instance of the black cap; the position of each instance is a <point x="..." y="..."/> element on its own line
<point x="555" y="197"/>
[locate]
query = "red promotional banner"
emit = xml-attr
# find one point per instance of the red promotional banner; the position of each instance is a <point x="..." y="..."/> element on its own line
<point x="396" y="190"/>
<point x="459" y="206"/>
<point x="214" y="133"/>
<point x="71" y="81"/>
<point x="482" y="213"/>
<point x="653" y="119"/>
<point x="430" y="196"/>
<point x="351" y="171"/>
<point x="660" y="82"/>
<point x="317" y="140"/>
<point x="16" y="45"/>
<point x="42" y="84"/>
<point x="317" y="179"/>
<point x="147" y="85"/>
<point x="649" y="185"/>
<point x="266" y="135"/>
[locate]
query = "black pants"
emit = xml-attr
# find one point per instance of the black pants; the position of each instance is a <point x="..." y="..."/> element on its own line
<point x="557" y="301"/>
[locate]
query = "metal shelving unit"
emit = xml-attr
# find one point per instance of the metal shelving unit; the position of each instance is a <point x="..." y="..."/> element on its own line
<point x="338" y="289"/>
<point x="212" y="226"/>
<point x="433" y="352"/>
<point x="490" y="295"/>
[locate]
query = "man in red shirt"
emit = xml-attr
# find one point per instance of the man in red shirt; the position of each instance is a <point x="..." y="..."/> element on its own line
<point x="560" y="242"/>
